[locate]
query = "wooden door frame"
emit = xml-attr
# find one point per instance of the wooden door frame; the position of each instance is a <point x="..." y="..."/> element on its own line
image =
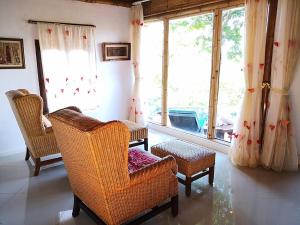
<point x="41" y="78"/>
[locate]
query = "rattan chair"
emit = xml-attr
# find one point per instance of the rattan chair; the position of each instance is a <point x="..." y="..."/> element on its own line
<point x="95" y="155"/>
<point x="35" y="128"/>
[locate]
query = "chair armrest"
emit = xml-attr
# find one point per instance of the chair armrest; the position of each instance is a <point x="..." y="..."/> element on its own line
<point x="46" y="122"/>
<point x="167" y="163"/>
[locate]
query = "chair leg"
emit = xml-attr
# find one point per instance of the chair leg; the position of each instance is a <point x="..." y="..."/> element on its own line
<point x="37" y="166"/>
<point x="188" y="186"/>
<point x="211" y="175"/>
<point x="76" y="206"/>
<point x="174" y="205"/>
<point x="146" y="144"/>
<point x="27" y="154"/>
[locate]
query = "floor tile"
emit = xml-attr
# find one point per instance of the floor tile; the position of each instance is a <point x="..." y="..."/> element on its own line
<point x="240" y="196"/>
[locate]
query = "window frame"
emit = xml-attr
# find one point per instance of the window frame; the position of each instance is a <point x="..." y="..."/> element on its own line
<point x="216" y="62"/>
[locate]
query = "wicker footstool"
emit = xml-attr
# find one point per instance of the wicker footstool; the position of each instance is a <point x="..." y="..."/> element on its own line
<point x="138" y="134"/>
<point x="193" y="161"/>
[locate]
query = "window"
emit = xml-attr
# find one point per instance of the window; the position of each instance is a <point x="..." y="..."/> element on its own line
<point x="231" y="80"/>
<point x="203" y="71"/>
<point x="190" y="52"/>
<point x="69" y="66"/>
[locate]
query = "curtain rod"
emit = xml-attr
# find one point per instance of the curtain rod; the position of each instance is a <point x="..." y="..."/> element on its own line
<point x="39" y="21"/>
<point x="139" y="2"/>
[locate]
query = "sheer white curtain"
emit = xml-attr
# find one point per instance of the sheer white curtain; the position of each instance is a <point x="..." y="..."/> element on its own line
<point x="136" y="113"/>
<point x="246" y="142"/>
<point x="279" y="147"/>
<point x="69" y="65"/>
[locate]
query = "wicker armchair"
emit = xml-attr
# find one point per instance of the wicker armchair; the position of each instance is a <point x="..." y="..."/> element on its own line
<point x="35" y="127"/>
<point x="96" y="158"/>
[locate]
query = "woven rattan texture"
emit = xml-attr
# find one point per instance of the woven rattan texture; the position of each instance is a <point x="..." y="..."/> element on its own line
<point x="190" y="158"/>
<point x="27" y="109"/>
<point x="137" y="132"/>
<point x="97" y="166"/>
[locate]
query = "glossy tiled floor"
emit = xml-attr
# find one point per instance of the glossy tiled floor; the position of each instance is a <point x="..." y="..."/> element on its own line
<point x="239" y="196"/>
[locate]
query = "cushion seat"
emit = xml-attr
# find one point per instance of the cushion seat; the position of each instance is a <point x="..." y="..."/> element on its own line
<point x="190" y="158"/>
<point x="138" y="159"/>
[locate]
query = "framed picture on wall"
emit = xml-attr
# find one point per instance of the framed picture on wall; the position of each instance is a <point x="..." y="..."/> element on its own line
<point x="11" y="53"/>
<point x="116" y="51"/>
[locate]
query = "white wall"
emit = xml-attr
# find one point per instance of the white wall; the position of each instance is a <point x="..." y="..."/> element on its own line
<point x="112" y="26"/>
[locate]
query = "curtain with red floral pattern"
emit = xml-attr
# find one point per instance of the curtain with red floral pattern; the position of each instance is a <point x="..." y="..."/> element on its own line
<point x="69" y="65"/>
<point x="246" y="140"/>
<point x="136" y="113"/>
<point x="279" y="147"/>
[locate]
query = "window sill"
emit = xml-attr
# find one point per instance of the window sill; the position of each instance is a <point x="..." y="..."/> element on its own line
<point x="213" y="144"/>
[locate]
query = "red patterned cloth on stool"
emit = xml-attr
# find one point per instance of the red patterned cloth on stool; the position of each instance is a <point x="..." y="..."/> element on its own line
<point x="138" y="159"/>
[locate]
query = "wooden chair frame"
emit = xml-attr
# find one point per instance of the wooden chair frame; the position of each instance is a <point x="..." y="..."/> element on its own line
<point x="173" y="204"/>
<point x="39" y="163"/>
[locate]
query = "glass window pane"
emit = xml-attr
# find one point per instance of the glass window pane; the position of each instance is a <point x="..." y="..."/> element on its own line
<point x="231" y="82"/>
<point x="190" y="55"/>
<point x="151" y="68"/>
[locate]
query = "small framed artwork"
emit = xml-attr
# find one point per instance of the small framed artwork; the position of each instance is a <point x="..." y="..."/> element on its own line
<point x="11" y="53"/>
<point x="116" y="51"/>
